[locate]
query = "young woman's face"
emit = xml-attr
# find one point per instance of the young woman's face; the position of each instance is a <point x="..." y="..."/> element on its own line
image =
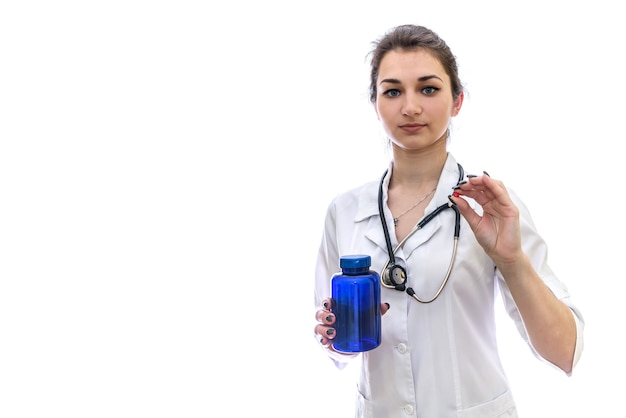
<point x="414" y="99"/>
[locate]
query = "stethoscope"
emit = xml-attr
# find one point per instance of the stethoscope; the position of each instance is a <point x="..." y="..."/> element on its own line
<point x="393" y="276"/>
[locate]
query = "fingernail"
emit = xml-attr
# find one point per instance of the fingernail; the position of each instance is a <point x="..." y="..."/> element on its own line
<point x="330" y="331"/>
<point x="329" y="318"/>
<point x="458" y="185"/>
<point x="456" y="194"/>
<point x="387" y="305"/>
<point x="469" y="176"/>
<point x="325" y="304"/>
<point x="450" y="199"/>
<point x="487" y="174"/>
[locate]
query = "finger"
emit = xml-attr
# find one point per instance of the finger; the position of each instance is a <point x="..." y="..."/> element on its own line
<point x="483" y="190"/>
<point x="476" y="185"/>
<point x="500" y="201"/>
<point x="327" y="304"/>
<point x="489" y="185"/>
<point x="325" y="317"/>
<point x="466" y="210"/>
<point x="384" y="307"/>
<point x="324" y="341"/>
<point x="482" y="197"/>
<point x="324" y="332"/>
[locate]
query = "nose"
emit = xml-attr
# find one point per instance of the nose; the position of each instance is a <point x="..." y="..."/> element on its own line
<point x="411" y="105"/>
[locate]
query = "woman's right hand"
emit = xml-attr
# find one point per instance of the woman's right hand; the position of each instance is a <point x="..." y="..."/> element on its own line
<point x="326" y="319"/>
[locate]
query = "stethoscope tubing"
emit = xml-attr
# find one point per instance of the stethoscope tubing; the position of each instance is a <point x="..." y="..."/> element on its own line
<point x="391" y="261"/>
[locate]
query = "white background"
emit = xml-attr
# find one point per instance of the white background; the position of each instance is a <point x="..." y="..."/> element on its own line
<point x="165" y="168"/>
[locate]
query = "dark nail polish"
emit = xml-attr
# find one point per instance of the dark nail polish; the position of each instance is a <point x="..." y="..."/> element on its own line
<point x="469" y="176"/>
<point x="487" y="174"/>
<point x="330" y="331"/>
<point x="329" y="318"/>
<point x="325" y="304"/>
<point x="450" y="199"/>
<point x="387" y="305"/>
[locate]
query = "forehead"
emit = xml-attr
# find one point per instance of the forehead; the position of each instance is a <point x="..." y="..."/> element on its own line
<point x="415" y="63"/>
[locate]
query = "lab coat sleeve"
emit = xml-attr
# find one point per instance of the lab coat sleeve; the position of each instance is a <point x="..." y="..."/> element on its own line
<point x="536" y="249"/>
<point x="327" y="265"/>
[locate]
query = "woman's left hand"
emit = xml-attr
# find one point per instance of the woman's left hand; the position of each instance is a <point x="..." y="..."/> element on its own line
<point x="498" y="229"/>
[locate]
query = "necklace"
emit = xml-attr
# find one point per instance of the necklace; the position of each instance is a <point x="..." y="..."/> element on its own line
<point x="395" y="220"/>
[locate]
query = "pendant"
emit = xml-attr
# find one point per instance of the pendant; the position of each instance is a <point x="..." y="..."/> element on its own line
<point x="395" y="221"/>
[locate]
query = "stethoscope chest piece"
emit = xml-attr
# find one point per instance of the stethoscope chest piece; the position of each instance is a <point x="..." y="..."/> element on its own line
<point x="394" y="276"/>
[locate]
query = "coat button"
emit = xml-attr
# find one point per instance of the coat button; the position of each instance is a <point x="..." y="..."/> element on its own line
<point x="402" y="348"/>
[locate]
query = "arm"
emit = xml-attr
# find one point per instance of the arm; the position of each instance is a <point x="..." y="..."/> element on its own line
<point x="327" y="265"/>
<point x="550" y="324"/>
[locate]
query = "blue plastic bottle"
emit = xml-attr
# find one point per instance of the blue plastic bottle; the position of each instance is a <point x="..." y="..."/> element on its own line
<point x="356" y="305"/>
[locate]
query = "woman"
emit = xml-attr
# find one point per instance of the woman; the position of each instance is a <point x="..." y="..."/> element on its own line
<point x="438" y="356"/>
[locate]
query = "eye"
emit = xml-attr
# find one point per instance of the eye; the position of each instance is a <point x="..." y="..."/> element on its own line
<point x="430" y="90"/>
<point x="391" y="93"/>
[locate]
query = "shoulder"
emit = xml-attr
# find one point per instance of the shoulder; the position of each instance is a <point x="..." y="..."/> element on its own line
<point x="356" y="201"/>
<point x="356" y="193"/>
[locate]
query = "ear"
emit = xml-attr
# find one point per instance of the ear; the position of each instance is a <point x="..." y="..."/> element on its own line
<point x="456" y="107"/>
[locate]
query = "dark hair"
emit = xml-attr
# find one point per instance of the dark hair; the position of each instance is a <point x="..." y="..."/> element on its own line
<point x="410" y="38"/>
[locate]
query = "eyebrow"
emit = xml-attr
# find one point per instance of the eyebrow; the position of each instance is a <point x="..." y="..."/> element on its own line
<point x="420" y="79"/>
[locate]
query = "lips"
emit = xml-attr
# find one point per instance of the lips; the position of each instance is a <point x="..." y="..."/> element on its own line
<point x="411" y="127"/>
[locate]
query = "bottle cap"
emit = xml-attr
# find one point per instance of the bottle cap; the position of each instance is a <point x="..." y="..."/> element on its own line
<point x="356" y="261"/>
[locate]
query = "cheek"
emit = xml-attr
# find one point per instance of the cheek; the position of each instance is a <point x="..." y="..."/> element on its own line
<point x="384" y="113"/>
<point x="446" y="110"/>
<point x="378" y="109"/>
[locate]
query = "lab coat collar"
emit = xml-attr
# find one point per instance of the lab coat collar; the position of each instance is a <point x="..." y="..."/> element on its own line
<point x="368" y="206"/>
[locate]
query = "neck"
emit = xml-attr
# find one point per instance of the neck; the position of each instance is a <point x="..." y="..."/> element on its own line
<point x="417" y="171"/>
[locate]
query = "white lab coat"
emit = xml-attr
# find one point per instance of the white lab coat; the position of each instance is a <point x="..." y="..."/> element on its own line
<point x="440" y="359"/>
